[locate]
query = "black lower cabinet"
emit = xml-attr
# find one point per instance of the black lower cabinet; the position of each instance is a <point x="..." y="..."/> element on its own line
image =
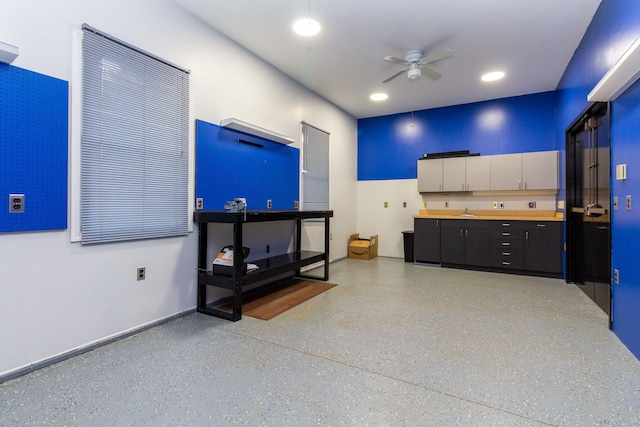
<point x="522" y="247"/>
<point x="543" y="247"/>
<point x="426" y="240"/>
<point x="465" y="242"/>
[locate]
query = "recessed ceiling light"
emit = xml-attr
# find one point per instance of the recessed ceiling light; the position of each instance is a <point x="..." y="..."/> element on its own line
<point x="492" y="76"/>
<point x="379" y="97"/>
<point x="306" y="27"/>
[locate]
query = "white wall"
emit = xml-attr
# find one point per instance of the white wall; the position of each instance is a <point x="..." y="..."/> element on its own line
<point x="56" y="296"/>
<point x="389" y="223"/>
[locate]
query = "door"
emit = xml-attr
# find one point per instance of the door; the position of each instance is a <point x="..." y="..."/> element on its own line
<point x="429" y="176"/>
<point x="426" y="240"/>
<point x="588" y="214"/>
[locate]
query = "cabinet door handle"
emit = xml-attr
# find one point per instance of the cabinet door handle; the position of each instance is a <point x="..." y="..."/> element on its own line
<point x="506" y="234"/>
<point x="506" y="244"/>
<point x="506" y="263"/>
<point x="506" y="253"/>
<point x="461" y="232"/>
<point x="506" y="224"/>
<point x="437" y="223"/>
<point x="526" y="235"/>
<point x="466" y="233"/>
<point x="541" y="225"/>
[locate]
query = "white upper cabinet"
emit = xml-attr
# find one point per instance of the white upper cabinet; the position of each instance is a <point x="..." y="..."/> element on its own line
<point x="525" y="171"/>
<point x="503" y="172"/>
<point x="478" y="173"/>
<point x="453" y="174"/>
<point x="430" y="176"/>
<point x="506" y="172"/>
<point x="540" y="170"/>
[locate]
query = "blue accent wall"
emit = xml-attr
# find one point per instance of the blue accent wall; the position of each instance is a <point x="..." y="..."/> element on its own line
<point x="625" y="117"/>
<point x="615" y="26"/>
<point x="389" y="146"/>
<point x="33" y="149"/>
<point x="259" y="170"/>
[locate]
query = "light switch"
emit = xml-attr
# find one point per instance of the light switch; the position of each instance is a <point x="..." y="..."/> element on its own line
<point x="621" y="172"/>
<point x="615" y="203"/>
<point x="628" y="202"/>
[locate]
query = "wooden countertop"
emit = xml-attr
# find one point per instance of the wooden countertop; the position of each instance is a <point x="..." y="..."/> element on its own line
<point x="496" y="214"/>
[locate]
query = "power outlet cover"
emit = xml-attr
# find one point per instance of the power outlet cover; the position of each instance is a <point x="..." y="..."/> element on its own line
<point x="16" y="203"/>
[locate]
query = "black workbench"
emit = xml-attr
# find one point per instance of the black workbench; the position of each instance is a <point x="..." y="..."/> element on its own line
<point x="270" y="267"/>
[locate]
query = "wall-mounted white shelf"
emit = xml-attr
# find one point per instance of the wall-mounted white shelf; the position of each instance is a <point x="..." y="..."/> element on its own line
<point x="8" y="53"/>
<point x="245" y="127"/>
<point x="620" y="77"/>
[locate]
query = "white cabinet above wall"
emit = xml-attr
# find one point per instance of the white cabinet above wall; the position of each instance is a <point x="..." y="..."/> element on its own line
<point x="430" y="176"/>
<point x="478" y="173"/>
<point x="454" y="174"/>
<point x="525" y="171"/>
<point x="442" y="175"/>
<point x="503" y="172"/>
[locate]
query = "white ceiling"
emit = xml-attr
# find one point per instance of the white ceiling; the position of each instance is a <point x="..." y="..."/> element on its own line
<point x="531" y="40"/>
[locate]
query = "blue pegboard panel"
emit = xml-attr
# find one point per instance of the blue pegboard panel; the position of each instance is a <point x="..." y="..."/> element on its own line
<point x="33" y="149"/>
<point x="256" y="169"/>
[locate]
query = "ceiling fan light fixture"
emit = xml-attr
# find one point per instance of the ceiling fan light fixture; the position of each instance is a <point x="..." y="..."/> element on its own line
<point x="306" y="27"/>
<point x="492" y="76"/>
<point x="414" y="73"/>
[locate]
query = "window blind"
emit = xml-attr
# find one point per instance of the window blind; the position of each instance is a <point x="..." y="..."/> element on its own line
<point x="134" y="143"/>
<point x="315" y="168"/>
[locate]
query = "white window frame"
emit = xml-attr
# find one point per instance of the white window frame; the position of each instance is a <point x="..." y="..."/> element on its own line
<point x="75" y="147"/>
<point x="314" y="182"/>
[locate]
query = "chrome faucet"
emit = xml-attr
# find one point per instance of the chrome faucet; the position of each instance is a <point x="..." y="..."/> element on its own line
<point x="466" y="211"/>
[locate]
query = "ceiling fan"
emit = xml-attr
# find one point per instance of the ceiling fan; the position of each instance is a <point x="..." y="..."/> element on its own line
<point x="416" y="62"/>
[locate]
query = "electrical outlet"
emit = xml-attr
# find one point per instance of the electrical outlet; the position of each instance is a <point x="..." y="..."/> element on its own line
<point x="330" y="236"/>
<point x="501" y="205"/>
<point x="404" y="204"/>
<point x="615" y="203"/>
<point x="269" y="204"/>
<point x="424" y="204"/>
<point x="495" y="205"/>
<point x="199" y="203"/>
<point x="446" y="204"/>
<point x="16" y="203"/>
<point x="386" y="204"/>
<point x="629" y="202"/>
<point x="141" y="271"/>
<point x="296" y="204"/>
<point x="532" y="205"/>
<point x="616" y="276"/>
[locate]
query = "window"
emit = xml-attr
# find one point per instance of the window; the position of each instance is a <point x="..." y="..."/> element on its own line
<point x="134" y="143"/>
<point x="315" y="168"/>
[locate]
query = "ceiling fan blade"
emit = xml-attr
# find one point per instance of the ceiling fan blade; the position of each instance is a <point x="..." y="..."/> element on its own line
<point x="395" y="60"/>
<point x="432" y="74"/>
<point x="443" y="54"/>
<point x="395" y="75"/>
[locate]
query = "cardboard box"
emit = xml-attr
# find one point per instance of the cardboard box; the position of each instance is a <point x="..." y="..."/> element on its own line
<point x="363" y="248"/>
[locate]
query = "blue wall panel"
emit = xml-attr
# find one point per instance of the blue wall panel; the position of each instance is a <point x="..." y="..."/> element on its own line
<point x="613" y="29"/>
<point x="33" y="149"/>
<point x="226" y="169"/>
<point x="389" y="146"/>
<point x="625" y="233"/>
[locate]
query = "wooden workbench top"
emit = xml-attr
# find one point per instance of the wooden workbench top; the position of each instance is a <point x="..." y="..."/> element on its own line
<point x="501" y="214"/>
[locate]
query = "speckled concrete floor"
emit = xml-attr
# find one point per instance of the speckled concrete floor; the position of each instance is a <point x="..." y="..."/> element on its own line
<point x="393" y="344"/>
